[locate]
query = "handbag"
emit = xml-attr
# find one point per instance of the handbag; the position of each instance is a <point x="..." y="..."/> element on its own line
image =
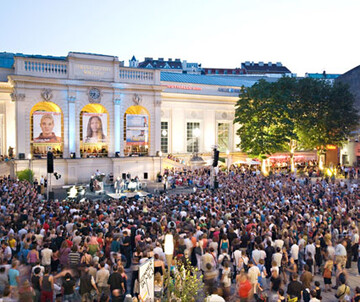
<point x="327" y="273"/>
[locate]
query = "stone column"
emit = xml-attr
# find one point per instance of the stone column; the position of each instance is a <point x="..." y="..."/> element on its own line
<point x="156" y="126"/>
<point x="117" y="126"/>
<point x="72" y="128"/>
<point x="21" y="147"/>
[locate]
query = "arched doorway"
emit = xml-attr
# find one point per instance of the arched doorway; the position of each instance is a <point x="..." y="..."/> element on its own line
<point x="94" y="131"/>
<point x="46" y="129"/>
<point x="136" y="131"/>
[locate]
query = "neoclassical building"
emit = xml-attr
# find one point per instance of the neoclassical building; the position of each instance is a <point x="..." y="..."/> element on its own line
<point x="95" y="114"/>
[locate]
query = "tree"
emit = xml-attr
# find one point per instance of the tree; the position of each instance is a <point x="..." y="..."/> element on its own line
<point x="26" y="174"/>
<point x="266" y="126"/>
<point x="327" y="114"/>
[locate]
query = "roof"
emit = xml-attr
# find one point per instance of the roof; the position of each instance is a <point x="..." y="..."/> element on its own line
<point x="236" y="81"/>
<point x="7" y="58"/>
<point x="133" y="58"/>
<point x="160" y="64"/>
<point x="264" y="68"/>
<point x="322" y="76"/>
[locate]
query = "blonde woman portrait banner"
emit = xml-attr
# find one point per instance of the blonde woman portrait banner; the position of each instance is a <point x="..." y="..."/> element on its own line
<point x="47" y="127"/>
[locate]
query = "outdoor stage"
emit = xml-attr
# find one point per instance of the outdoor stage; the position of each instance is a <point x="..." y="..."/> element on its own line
<point x="81" y="192"/>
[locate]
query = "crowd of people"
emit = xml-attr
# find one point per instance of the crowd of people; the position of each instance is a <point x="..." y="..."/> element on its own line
<point x="252" y="238"/>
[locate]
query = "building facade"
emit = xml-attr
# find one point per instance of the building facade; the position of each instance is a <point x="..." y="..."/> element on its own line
<point x="95" y="114"/>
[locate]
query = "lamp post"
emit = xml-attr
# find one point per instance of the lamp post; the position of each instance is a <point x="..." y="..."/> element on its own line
<point x="227" y="160"/>
<point x="169" y="252"/>
<point x="160" y="155"/>
<point x="30" y="172"/>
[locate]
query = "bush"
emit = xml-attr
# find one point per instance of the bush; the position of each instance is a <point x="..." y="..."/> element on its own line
<point x="185" y="284"/>
<point x="26" y="174"/>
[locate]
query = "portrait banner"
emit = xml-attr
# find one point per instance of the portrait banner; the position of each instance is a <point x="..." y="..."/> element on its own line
<point x="94" y="127"/>
<point x="47" y="127"/>
<point x="146" y="280"/>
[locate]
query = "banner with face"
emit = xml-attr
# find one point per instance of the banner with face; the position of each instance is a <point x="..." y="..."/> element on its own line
<point x="47" y="127"/>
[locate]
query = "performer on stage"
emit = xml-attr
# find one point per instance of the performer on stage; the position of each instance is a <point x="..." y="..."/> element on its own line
<point x="92" y="183"/>
<point x="117" y="185"/>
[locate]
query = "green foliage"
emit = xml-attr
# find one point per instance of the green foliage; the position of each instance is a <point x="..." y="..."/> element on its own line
<point x="289" y="113"/>
<point x="328" y="113"/>
<point x="186" y="284"/>
<point x="26" y="174"/>
<point x="265" y="122"/>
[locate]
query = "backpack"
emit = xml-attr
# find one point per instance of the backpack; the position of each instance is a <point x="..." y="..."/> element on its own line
<point x="225" y="258"/>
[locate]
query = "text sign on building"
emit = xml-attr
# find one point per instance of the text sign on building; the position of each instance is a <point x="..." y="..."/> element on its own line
<point x="146" y="281"/>
<point x="99" y="72"/>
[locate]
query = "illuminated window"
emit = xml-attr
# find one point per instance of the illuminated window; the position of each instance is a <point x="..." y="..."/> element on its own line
<point x="164" y="137"/>
<point x="223" y="136"/>
<point x="192" y="137"/>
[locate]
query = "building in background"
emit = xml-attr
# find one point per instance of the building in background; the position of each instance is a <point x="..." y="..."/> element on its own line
<point x="269" y="69"/>
<point x="350" y="153"/>
<point x="328" y="77"/>
<point x="93" y="113"/>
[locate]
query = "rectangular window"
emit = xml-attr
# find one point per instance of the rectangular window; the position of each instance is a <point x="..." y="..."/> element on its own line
<point x="164" y="137"/>
<point x="192" y="137"/>
<point x="223" y="136"/>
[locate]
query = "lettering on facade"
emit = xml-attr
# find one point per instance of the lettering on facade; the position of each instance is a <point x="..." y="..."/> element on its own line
<point x="229" y="90"/>
<point x="93" y="70"/>
<point x="182" y="87"/>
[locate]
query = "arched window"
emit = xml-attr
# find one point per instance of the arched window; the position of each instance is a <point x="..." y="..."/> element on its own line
<point x="46" y="129"/>
<point x="136" y="131"/>
<point x="94" y="131"/>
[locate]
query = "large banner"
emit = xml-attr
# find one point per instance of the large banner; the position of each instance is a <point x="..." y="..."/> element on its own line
<point x="146" y="281"/>
<point x="47" y="127"/>
<point x="94" y="127"/>
<point x="137" y="129"/>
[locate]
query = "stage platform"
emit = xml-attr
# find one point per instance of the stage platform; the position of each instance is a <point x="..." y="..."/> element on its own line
<point x="127" y="194"/>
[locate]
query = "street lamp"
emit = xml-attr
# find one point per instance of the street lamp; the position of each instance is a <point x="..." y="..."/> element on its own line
<point x="227" y="159"/>
<point x="30" y="172"/>
<point x="169" y="252"/>
<point x="160" y="155"/>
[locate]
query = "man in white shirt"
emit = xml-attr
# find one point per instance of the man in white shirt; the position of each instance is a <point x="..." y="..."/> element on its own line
<point x="294" y="252"/>
<point x="279" y="243"/>
<point x="277" y="257"/>
<point x="236" y="256"/>
<point x="256" y="255"/>
<point x="310" y="248"/>
<point x="46" y="255"/>
<point x="340" y="253"/>
<point x="355" y="244"/>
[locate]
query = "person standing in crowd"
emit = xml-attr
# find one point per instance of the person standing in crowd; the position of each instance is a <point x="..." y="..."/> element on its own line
<point x="47" y="286"/>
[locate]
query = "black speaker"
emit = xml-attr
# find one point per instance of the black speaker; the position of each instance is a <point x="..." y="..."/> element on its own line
<point x="50" y="162"/>
<point x="73" y="155"/>
<point x="146" y="175"/>
<point x="124" y="176"/>
<point x="21" y="155"/>
<point x="117" y="154"/>
<point x="51" y="196"/>
<point x="216" y="158"/>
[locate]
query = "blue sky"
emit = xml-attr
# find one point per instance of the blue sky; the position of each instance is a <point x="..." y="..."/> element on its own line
<point x="305" y="35"/>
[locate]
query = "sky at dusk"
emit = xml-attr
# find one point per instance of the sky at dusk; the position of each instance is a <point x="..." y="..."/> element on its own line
<point x="305" y="35"/>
